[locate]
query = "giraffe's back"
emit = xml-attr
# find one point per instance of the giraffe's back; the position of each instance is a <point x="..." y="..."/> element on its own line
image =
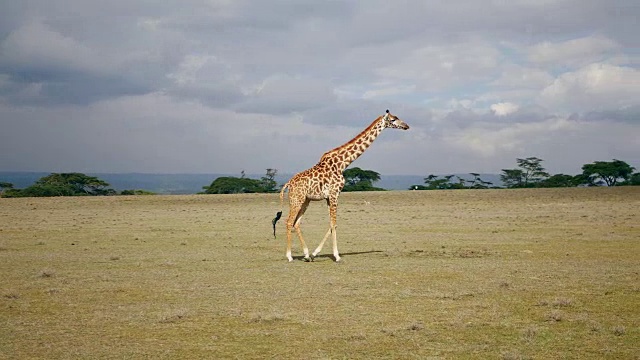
<point x="316" y="183"/>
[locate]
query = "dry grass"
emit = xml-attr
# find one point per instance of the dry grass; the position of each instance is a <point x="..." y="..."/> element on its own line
<point x="501" y="274"/>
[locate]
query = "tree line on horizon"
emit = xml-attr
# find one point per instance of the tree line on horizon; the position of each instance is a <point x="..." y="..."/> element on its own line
<point x="529" y="174"/>
<point x="66" y="184"/>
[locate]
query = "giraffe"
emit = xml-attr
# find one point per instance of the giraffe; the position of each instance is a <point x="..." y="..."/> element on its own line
<point x="324" y="181"/>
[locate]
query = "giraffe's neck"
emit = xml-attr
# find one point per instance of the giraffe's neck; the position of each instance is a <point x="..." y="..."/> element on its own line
<point x="352" y="149"/>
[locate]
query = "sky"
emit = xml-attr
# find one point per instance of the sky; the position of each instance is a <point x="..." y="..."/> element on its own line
<point x="224" y="86"/>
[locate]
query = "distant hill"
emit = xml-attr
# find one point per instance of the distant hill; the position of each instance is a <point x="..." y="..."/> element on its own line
<point x="193" y="183"/>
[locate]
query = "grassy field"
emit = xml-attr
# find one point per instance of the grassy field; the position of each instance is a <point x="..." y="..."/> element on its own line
<point x="497" y="274"/>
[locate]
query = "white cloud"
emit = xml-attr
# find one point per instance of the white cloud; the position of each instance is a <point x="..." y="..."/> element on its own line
<point x="521" y="77"/>
<point x="488" y="140"/>
<point x="594" y="87"/>
<point x="504" y="108"/>
<point x="437" y="68"/>
<point x="188" y="69"/>
<point x="283" y="94"/>
<point x="572" y="52"/>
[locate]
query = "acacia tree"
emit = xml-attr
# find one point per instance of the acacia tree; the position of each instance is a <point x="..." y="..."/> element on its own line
<point x="357" y="179"/>
<point x="478" y="183"/>
<point x="64" y="184"/>
<point x="433" y="182"/>
<point x="77" y="183"/>
<point x="532" y="170"/>
<point x="529" y="174"/>
<point x="633" y="180"/>
<point x="268" y="181"/>
<point x="242" y="184"/>
<point x="608" y="171"/>
<point x="512" y="178"/>
<point x="233" y="185"/>
<point x="5" y="185"/>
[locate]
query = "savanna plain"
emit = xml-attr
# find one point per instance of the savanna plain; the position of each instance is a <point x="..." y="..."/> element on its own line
<point x="495" y="274"/>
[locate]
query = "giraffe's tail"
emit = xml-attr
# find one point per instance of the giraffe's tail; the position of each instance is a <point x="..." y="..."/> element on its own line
<point x="279" y="213"/>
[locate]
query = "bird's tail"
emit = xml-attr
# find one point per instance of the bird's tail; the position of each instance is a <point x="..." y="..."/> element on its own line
<point x="279" y="213"/>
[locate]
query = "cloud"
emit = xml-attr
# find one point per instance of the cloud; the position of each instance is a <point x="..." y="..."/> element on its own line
<point x="572" y="52"/>
<point x="437" y="68"/>
<point x="215" y="86"/>
<point x="488" y="140"/>
<point x="36" y="46"/>
<point x="594" y="87"/>
<point x="504" y="108"/>
<point x="514" y="76"/>
<point x="282" y="94"/>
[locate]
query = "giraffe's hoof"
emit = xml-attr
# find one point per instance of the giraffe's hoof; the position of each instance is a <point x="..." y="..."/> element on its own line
<point x="306" y="259"/>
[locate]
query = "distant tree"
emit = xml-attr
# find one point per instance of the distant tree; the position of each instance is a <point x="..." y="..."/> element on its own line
<point x="532" y="170"/>
<point x="433" y="182"/>
<point x="608" y="171"/>
<point x="440" y="184"/>
<point x="429" y="181"/>
<point x="5" y="186"/>
<point x="529" y="174"/>
<point x="137" y="192"/>
<point x="48" y="190"/>
<point x="63" y="184"/>
<point x="633" y="180"/>
<point x="268" y="182"/>
<point x="78" y="183"/>
<point x="357" y="179"/>
<point x="478" y="183"/>
<point x="560" y="180"/>
<point x="512" y="178"/>
<point x="233" y="185"/>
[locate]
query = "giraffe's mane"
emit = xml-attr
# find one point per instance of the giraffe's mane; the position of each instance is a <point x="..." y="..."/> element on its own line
<point x="353" y="140"/>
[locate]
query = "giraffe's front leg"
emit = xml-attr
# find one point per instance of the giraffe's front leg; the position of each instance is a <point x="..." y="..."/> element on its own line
<point x="333" y="210"/>
<point x="332" y="204"/>
<point x="319" y="248"/>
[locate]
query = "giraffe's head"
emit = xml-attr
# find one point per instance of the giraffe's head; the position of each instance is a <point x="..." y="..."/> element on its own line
<point x="392" y="121"/>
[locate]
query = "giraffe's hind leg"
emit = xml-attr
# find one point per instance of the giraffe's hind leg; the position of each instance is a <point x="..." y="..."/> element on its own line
<point x="297" y="207"/>
<point x="293" y="212"/>
<point x="296" y="225"/>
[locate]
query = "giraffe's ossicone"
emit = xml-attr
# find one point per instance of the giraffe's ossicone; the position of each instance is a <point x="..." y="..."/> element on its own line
<point x="324" y="181"/>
